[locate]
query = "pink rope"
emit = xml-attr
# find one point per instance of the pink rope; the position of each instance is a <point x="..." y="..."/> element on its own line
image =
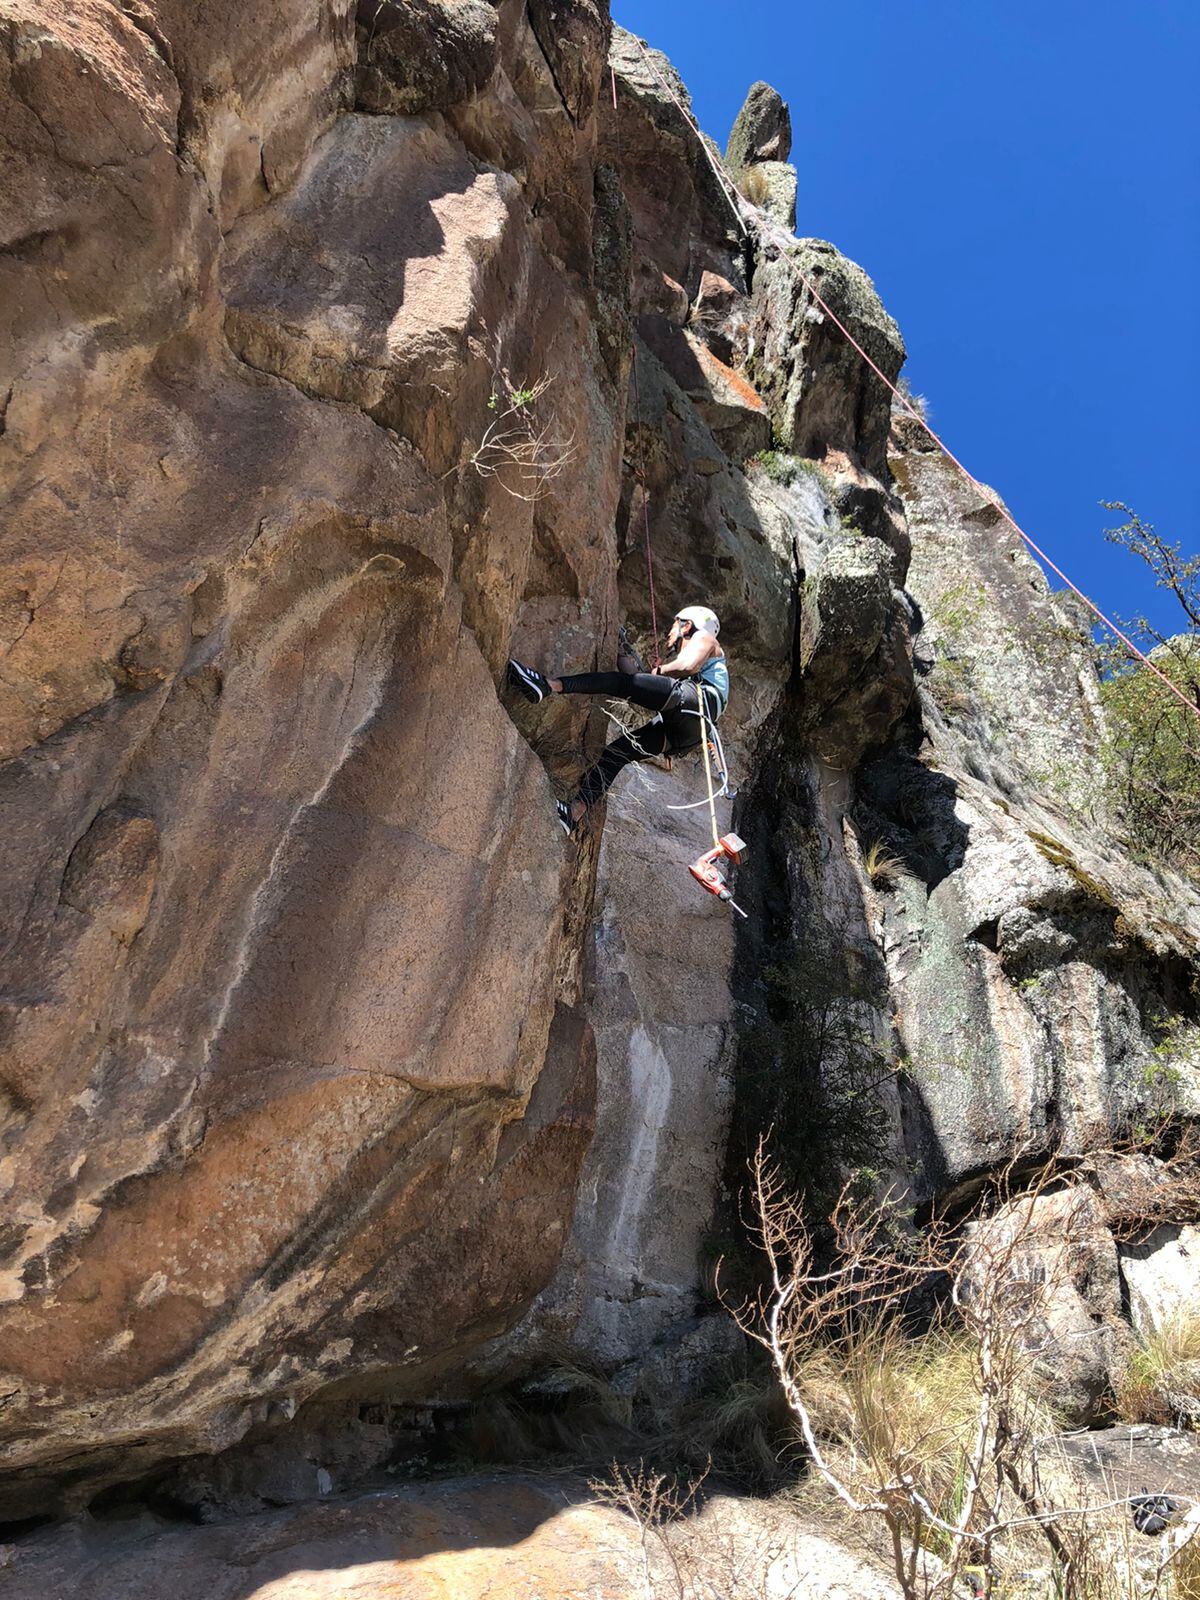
<point x="637" y="398"/>
<point x="727" y="186"/>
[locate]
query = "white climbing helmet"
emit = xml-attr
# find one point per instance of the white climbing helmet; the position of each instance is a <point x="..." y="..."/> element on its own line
<point x="701" y="618"/>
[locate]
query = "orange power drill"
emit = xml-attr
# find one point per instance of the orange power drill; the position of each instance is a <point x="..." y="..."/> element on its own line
<point x="704" y="868"/>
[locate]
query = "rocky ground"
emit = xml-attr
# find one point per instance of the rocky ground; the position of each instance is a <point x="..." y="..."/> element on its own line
<point x="516" y="1536"/>
<point x="332" y="1076"/>
<point x="528" y="1538"/>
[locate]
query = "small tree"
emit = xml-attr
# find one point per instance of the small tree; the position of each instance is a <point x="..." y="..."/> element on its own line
<point x="522" y="446"/>
<point x="1153" y="747"/>
<point x="941" y="1439"/>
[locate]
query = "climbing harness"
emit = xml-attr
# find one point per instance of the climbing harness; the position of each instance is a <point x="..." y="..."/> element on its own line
<point x="783" y="240"/>
<point x="717" y="751"/>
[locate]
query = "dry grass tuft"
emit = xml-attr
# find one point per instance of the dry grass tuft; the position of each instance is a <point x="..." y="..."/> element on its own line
<point x="1185" y="1570"/>
<point x="880" y="865"/>
<point x="753" y="186"/>
<point x="1168" y="1359"/>
<point x="882" y="1398"/>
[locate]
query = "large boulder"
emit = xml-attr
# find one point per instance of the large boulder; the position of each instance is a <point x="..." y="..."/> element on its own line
<point x="1162" y="1276"/>
<point x="762" y="130"/>
<point x="1056" y="1268"/>
<point x="682" y="218"/>
<point x="722" y="397"/>
<point x="855" y="665"/>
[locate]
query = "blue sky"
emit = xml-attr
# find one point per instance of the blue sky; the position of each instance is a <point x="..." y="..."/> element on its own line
<point x="1022" y="181"/>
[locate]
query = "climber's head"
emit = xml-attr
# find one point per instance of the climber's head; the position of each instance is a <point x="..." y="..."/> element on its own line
<point x="693" y="619"/>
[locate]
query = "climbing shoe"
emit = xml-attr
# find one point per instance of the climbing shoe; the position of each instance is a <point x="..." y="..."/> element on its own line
<point x="1154" y="1513"/>
<point x="529" y="682"/>
<point x="564" y="817"/>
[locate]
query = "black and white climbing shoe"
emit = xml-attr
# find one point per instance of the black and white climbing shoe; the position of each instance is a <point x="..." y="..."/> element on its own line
<point x="564" y="817"/>
<point x="528" y="681"/>
<point x="1154" y="1513"/>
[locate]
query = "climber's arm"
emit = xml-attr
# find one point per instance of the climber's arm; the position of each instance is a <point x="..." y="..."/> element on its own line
<point x="693" y="653"/>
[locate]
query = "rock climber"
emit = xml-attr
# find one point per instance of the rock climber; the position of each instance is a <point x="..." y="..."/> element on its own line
<point x="672" y="692"/>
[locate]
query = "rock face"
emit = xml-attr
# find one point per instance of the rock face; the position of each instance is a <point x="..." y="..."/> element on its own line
<point x="331" y="1074"/>
<point x="292" y="995"/>
<point x="757" y="154"/>
<point x="762" y="131"/>
<point x="1162" y="1276"/>
<point x="423" y="55"/>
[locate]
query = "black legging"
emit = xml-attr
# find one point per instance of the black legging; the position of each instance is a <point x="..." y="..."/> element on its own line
<point x="674" y="730"/>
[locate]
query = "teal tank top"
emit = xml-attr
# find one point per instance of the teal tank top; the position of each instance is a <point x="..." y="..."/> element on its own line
<point x="716" y="674"/>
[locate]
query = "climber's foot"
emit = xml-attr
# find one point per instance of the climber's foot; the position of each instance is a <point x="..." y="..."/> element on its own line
<point x="570" y="815"/>
<point x="535" y="686"/>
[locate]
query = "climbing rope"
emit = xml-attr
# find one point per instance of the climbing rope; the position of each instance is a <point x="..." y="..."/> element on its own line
<point x="729" y="847"/>
<point x="708" y="783"/>
<point x="722" y="765"/>
<point x="784" y="240"/>
<point x="637" y="403"/>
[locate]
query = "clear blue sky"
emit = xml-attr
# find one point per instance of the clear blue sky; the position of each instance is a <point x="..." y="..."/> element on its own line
<point x="1022" y="182"/>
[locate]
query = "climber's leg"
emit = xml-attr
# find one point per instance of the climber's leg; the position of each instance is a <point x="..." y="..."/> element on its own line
<point x="676" y="728"/>
<point x="643" y="745"/>
<point x="649" y="690"/>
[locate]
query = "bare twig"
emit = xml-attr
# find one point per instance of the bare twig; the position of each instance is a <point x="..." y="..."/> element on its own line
<point x="521" y="447"/>
<point x="946" y="1457"/>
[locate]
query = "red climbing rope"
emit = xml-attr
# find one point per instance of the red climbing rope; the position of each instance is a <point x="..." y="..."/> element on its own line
<point x="730" y="192"/>
<point x="637" y="401"/>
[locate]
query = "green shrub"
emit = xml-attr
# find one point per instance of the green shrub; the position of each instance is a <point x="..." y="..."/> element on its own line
<point x="1152" y="745"/>
<point x="1152" y="756"/>
<point x="778" y="466"/>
